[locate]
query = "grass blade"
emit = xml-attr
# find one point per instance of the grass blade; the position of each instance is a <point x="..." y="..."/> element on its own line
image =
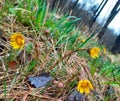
<point x="40" y="15"/>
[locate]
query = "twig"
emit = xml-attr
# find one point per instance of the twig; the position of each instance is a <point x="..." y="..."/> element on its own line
<point x="68" y="54"/>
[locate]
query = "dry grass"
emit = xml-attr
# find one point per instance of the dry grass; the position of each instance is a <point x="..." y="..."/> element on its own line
<point x="66" y="71"/>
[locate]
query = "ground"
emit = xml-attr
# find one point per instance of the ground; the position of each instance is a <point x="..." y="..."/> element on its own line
<point x="55" y="47"/>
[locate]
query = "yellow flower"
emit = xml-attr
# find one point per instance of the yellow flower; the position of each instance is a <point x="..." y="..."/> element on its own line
<point x="94" y="52"/>
<point x="84" y="86"/>
<point x="104" y="50"/>
<point x="83" y="40"/>
<point x="17" y="41"/>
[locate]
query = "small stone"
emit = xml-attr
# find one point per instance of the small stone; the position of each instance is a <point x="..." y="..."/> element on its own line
<point x="60" y="85"/>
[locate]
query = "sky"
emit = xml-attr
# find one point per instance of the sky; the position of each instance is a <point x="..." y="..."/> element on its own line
<point x="115" y="24"/>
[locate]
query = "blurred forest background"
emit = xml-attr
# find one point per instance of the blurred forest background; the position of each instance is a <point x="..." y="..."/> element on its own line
<point x="89" y="19"/>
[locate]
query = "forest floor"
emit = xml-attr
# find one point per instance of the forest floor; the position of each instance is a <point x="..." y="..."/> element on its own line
<point x="56" y="53"/>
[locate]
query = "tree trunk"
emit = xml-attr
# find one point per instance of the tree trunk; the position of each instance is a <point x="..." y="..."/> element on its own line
<point x="74" y="4"/>
<point x="112" y="15"/>
<point x="97" y="12"/>
<point x="116" y="47"/>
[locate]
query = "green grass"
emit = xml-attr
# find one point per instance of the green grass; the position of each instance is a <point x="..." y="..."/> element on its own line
<point x="52" y="44"/>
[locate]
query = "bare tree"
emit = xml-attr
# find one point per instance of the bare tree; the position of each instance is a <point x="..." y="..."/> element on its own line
<point x="97" y="12"/>
<point x="73" y="6"/>
<point x="116" y="47"/>
<point x="113" y="13"/>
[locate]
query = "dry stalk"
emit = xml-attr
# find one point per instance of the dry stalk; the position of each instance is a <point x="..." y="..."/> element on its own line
<point x="46" y="58"/>
<point x="36" y="47"/>
<point x="65" y="56"/>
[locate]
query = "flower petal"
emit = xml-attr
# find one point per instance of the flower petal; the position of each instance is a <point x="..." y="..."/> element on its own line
<point x="81" y="90"/>
<point x="87" y="90"/>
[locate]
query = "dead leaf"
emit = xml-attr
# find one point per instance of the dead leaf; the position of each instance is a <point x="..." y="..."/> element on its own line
<point x="12" y="65"/>
<point x="76" y="96"/>
<point x="39" y="81"/>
